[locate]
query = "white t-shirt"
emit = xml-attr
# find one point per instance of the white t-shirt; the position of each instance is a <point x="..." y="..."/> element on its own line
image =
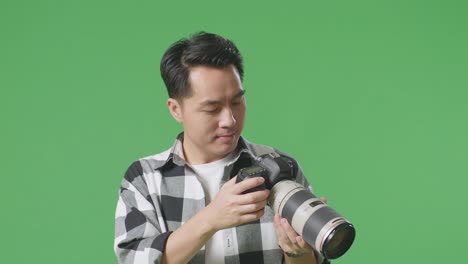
<point x="210" y="175"/>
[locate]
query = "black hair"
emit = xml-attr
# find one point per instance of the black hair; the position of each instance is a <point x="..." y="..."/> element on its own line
<point x="200" y="49"/>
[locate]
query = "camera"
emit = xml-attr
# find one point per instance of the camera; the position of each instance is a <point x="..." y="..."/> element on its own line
<point x="320" y="225"/>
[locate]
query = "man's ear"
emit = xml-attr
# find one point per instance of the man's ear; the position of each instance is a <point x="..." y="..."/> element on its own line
<point x="175" y="109"/>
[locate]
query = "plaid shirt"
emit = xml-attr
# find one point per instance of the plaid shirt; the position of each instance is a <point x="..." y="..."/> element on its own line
<point x="161" y="192"/>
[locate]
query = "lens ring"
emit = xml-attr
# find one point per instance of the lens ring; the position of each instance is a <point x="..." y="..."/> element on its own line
<point x="339" y="241"/>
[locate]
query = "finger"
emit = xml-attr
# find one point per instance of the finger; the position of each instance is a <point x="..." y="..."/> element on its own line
<point x="283" y="240"/>
<point x="276" y="220"/>
<point x="253" y="207"/>
<point x="323" y="199"/>
<point x="291" y="234"/>
<point x="254" y="216"/>
<point x="285" y="244"/>
<point x="247" y="184"/>
<point x="279" y="229"/>
<point x="301" y="242"/>
<point x="253" y="197"/>
<point x="229" y="183"/>
<point x="232" y="181"/>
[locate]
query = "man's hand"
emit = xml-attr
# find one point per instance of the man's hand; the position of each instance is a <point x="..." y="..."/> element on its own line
<point x="288" y="239"/>
<point x="231" y="208"/>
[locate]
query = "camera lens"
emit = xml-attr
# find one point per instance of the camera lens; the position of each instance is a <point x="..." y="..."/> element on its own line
<point x="320" y="225"/>
<point x="339" y="241"/>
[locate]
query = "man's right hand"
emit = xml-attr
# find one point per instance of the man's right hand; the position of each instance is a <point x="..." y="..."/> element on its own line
<point x="232" y="208"/>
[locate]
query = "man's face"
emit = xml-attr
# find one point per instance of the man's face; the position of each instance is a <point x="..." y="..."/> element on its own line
<point x="213" y="117"/>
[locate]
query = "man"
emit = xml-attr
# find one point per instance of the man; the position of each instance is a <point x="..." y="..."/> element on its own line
<point x="183" y="205"/>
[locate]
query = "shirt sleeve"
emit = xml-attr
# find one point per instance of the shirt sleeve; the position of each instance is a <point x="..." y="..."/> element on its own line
<point x="139" y="237"/>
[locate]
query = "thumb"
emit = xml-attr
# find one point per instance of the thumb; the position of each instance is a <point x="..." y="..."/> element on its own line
<point x="229" y="183"/>
<point x="324" y="199"/>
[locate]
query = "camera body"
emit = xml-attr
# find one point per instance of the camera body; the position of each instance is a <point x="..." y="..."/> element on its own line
<point x="320" y="225"/>
<point x="272" y="167"/>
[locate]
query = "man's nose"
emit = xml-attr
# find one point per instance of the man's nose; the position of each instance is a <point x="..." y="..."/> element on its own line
<point x="227" y="118"/>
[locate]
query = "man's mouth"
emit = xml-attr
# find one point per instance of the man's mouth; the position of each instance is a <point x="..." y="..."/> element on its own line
<point x="226" y="136"/>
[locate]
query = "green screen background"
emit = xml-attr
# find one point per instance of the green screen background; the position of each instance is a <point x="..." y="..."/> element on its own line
<point x="370" y="96"/>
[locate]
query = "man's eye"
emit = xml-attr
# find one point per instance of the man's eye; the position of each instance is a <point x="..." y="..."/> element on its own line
<point x="211" y="110"/>
<point x="236" y="103"/>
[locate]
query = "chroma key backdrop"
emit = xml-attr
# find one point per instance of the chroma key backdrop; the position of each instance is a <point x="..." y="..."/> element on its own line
<point x="371" y="97"/>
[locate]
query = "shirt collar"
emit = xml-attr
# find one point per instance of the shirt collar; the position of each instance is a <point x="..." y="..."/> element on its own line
<point x="176" y="155"/>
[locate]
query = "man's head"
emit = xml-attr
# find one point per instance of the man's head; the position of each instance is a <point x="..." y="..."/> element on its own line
<point x="201" y="49"/>
<point x="203" y="76"/>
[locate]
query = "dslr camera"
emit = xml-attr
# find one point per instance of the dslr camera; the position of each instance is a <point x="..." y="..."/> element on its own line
<point x="321" y="226"/>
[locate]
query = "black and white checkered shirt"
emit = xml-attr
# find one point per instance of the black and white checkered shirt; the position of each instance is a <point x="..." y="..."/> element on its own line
<point x="161" y="192"/>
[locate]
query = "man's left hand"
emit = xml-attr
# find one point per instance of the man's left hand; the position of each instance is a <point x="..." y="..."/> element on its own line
<point x="288" y="239"/>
